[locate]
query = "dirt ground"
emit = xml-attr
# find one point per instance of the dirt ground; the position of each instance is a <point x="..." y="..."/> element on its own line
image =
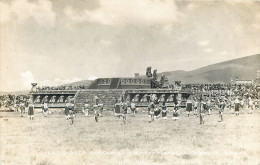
<point x="51" y="140"/>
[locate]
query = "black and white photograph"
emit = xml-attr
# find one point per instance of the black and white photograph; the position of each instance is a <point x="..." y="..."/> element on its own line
<point x="145" y="82"/>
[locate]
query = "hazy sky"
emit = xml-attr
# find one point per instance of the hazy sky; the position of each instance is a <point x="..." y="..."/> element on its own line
<point x="60" y="41"/>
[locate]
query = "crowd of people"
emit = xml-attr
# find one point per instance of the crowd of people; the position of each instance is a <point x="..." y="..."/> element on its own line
<point x="11" y="102"/>
<point x="225" y="89"/>
<point x="61" y="87"/>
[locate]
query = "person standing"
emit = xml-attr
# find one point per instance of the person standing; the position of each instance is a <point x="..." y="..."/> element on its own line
<point x="71" y="113"/>
<point x="188" y="107"/>
<point x="96" y="112"/>
<point x="196" y="107"/>
<point x="85" y="109"/>
<point x="204" y="106"/>
<point x="237" y="106"/>
<point x="133" y="107"/>
<point x="203" y="109"/>
<point x="124" y="111"/>
<point x="31" y="111"/>
<point x="22" y="108"/>
<point x="157" y="110"/>
<point x="164" y="111"/>
<point x="221" y="110"/>
<point x="176" y="112"/>
<point x="151" y="112"/>
<point x="149" y="109"/>
<point x="101" y="108"/>
<point x="67" y="110"/>
<point x="45" y="109"/>
<point x="209" y="106"/>
<point x="117" y="109"/>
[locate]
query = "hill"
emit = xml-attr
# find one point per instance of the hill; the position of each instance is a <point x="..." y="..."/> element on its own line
<point x="244" y="68"/>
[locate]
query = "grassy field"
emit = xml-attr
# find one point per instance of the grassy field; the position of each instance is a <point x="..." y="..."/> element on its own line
<point x="51" y="140"/>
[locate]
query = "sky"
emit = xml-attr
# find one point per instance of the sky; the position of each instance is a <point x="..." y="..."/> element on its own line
<point x="55" y="42"/>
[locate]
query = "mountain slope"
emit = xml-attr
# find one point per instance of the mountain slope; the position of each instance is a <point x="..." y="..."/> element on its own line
<point x="243" y="68"/>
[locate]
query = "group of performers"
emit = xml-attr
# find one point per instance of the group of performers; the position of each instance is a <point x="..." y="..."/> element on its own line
<point x="196" y="106"/>
<point x="199" y="107"/>
<point x="156" y="111"/>
<point x="21" y="107"/>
